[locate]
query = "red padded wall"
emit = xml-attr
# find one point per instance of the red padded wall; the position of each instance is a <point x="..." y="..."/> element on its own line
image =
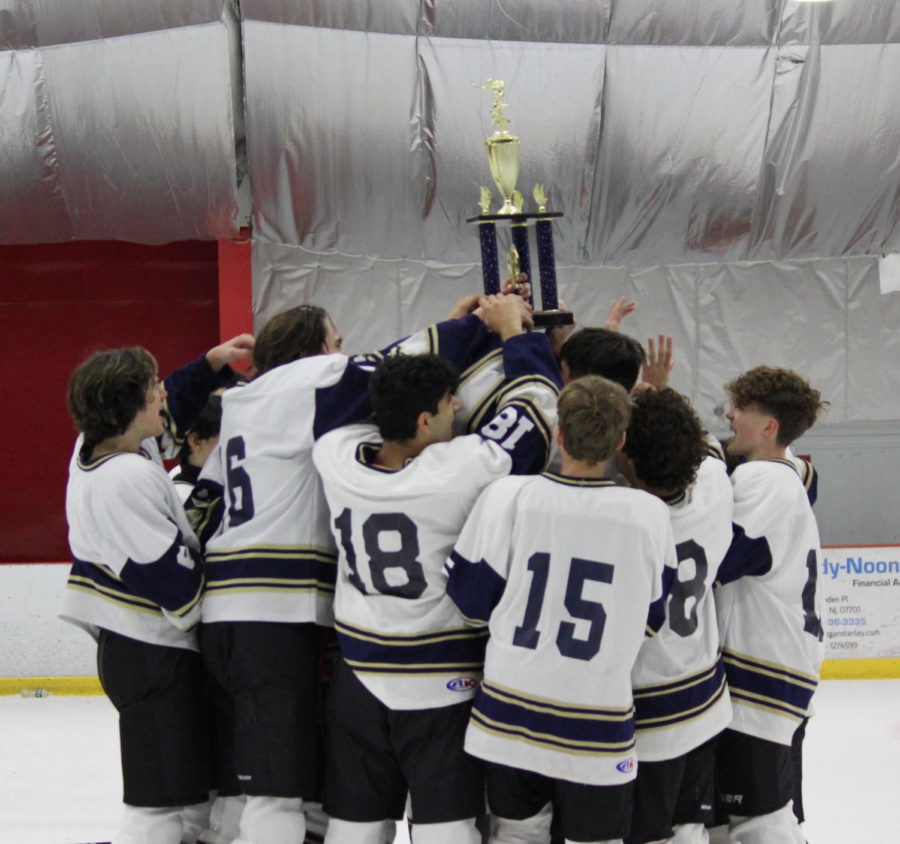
<point x="58" y="303"/>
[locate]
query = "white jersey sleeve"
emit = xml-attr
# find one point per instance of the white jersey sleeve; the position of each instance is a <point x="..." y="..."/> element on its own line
<point x="769" y="608"/>
<point x="137" y="568"/>
<point x="564" y="571"/>
<point x="680" y="694"/>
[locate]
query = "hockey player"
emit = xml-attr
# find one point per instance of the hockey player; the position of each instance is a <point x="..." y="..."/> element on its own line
<point x="399" y="494"/>
<point x="270" y="556"/>
<point x="680" y="694"/>
<point x="136" y="580"/>
<point x="768" y="605"/>
<point x="570" y="572"/>
<point x="197" y="446"/>
<point x="588" y="351"/>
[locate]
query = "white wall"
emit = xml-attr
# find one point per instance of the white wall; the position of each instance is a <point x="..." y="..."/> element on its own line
<point x="34" y="642"/>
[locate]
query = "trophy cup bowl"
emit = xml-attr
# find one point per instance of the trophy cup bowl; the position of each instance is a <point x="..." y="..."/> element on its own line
<point x="503" y="159"/>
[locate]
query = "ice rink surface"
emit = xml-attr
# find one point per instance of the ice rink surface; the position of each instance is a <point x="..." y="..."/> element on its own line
<point x="60" y="781"/>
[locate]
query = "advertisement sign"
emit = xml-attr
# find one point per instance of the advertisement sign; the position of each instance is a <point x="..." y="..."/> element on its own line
<point x="861" y="589"/>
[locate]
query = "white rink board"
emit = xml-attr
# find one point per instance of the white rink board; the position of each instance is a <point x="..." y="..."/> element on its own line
<point x="861" y="589"/>
<point x="34" y="642"/>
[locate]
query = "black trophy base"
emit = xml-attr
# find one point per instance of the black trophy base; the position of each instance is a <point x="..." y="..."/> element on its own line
<point x="550" y="319"/>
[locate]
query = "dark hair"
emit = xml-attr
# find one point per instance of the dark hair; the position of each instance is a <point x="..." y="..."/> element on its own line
<point x="404" y="386"/>
<point x="108" y="390"/>
<point x="781" y="393"/>
<point x="593" y="413"/>
<point x="609" y="354"/>
<point x="207" y="424"/>
<point x="296" y="333"/>
<point x="665" y="440"/>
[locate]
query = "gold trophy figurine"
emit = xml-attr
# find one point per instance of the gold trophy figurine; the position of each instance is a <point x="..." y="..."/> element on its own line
<point x="502" y="148"/>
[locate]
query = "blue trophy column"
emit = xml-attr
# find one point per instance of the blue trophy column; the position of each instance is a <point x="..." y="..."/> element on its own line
<point x="490" y="269"/>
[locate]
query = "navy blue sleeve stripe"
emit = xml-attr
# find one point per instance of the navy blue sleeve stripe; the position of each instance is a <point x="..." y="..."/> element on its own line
<point x="165" y="581"/>
<point x="345" y="402"/>
<point x="745" y="557"/>
<point x="188" y="389"/>
<point x="486" y="407"/>
<point x="475" y="588"/>
<point x="530" y="354"/>
<point x="461" y="341"/>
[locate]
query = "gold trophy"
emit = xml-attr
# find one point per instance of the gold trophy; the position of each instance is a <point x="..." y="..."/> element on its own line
<point x="503" y="159"/>
<point x="502" y="149"/>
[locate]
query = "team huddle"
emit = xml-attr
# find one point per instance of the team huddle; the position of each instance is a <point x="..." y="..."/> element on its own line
<point x="484" y="578"/>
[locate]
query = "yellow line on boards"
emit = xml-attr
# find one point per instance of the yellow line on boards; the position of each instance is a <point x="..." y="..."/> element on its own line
<point x="860" y="669"/>
<point x="54" y="685"/>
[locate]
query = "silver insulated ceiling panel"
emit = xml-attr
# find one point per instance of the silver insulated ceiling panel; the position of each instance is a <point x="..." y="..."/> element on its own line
<point x="117" y="121"/>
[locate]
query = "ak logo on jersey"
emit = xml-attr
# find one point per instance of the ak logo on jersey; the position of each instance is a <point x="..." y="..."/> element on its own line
<point x="462" y="684"/>
<point x="626" y="766"/>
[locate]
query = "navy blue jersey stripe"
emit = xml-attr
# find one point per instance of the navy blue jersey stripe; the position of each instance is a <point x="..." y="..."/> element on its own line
<point x="738" y="697"/>
<point x="406" y="639"/>
<point x="666" y="710"/>
<point x="778" y="690"/>
<point x="415" y="670"/>
<point x="299" y="566"/>
<point x="535" y="720"/>
<point x="751" y="664"/>
<point x="565" y="709"/>
<point x="453" y="647"/>
<point x="551" y="742"/>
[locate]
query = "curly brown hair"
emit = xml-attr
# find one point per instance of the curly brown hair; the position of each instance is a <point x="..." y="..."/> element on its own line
<point x="781" y="393"/>
<point x="295" y="333"/>
<point x="665" y="440"/>
<point x="108" y="390"/>
<point x="593" y="414"/>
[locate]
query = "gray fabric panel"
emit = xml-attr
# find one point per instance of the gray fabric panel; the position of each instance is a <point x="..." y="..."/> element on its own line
<point x="334" y="163"/>
<point x="832" y="173"/>
<point x="144" y="178"/>
<point x="713" y="22"/>
<point x="774" y="314"/>
<point x="563" y="21"/>
<point x="40" y="23"/>
<point x="854" y="22"/>
<point x="31" y="199"/>
<point x="680" y="154"/>
<point x="873" y="350"/>
<point x="825" y="319"/>
<point x="401" y="17"/>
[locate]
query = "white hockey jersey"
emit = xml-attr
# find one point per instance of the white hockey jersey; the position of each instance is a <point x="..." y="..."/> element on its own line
<point x="259" y="504"/>
<point x="680" y="694"/>
<point x="768" y="605"/>
<point x="137" y="568"/>
<point x="571" y="574"/>
<point x="398" y="630"/>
